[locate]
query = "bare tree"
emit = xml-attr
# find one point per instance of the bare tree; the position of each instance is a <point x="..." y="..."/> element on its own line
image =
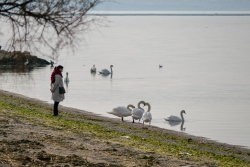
<point x="51" y="23"/>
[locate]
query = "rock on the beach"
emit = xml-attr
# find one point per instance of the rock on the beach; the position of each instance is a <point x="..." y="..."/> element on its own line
<point x="17" y="58"/>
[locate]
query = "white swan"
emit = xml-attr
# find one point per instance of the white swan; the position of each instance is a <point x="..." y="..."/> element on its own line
<point x="122" y="111"/>
<point x="67" y="78"/>
<point x="147" y="116"/>
<point x="93" y="69"/>
<point x="26" y="63"/>
<point x="138" y="112"/>
<point x="176" y="118"/>
<point x="106" y="72"/>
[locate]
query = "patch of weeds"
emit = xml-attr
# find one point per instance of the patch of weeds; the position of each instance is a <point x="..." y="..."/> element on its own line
<point x="145" y="157"/>
<point x="149" y="160"/>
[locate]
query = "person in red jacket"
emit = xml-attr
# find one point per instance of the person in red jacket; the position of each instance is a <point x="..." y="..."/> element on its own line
<point x="56" y="82"/>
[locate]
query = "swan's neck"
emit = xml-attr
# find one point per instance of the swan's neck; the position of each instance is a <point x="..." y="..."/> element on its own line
<point x="182" y="116"/>
<point x="111" y="70"/>
<point x="139" y="104"/>
<point x="128" y="107"/>
<point x="149" y="107"/>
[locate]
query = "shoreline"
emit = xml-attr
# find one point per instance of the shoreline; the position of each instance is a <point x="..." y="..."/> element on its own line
<point x="116" y="120"/>
<point x="163" y="145"/>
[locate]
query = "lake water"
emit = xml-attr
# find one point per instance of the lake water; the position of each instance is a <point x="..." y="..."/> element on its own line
<point x="206" y="72"/>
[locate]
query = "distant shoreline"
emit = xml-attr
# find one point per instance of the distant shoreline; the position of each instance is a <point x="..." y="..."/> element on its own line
<point x="169" y="13"/>
<point x="156" y="14"/>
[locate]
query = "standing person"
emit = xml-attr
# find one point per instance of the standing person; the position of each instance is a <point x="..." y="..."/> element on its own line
<point x="56" y="82"/>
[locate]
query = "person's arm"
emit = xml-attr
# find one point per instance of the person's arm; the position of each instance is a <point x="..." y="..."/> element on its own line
<point x="56" y="84"/>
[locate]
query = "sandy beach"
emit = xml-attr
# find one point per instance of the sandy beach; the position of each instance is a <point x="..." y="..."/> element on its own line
<point x="31" y="136"/>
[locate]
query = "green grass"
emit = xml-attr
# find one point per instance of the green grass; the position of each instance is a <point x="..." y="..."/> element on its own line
<point x="153" y="141"/>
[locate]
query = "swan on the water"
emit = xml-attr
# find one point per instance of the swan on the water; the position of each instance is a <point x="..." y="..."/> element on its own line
<point x="67" y="78"/>
<point x="147" y="116"/>
<point x="138" y="112"/>
<point x="93" y="69"/>
<point x="26" y="63"/>
<point x="122" y="111"/>
<point x="176" y="118"/>
<point x="106" y="72"/>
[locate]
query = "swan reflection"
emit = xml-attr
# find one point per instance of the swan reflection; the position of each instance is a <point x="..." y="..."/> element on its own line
<point x="106" y="75"/>
<point x="93" y="74"/>
<point x="182" y="129"/>
<point x="176" y="123"/>
<point x="66" y="83"/>
<point x="173" y="123"/>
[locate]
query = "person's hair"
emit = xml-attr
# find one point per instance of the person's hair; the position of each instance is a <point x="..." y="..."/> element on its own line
<point x="59" y="67"/>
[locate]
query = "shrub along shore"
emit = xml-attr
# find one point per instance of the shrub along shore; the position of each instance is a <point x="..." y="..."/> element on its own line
<point x="31" y="136"/>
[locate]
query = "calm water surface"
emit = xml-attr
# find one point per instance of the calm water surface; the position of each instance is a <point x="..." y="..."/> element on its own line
<point x="206" y="71"/>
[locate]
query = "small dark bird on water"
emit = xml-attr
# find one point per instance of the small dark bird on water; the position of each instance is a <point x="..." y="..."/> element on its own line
<point x="160" y="66"/>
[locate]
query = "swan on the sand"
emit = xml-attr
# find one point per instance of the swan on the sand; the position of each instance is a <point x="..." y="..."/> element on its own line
<point x="176" y="118"/>
<point x="147" y="116"/>
<point x="138" y="112"/>
<point x="122" y="111"/>
<point x="106" y="72"/>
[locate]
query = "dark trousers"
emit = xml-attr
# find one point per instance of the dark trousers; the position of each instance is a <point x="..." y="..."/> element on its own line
<point x="56" y="108"/>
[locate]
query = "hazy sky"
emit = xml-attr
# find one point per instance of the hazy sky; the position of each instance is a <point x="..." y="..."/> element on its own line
<point x="175" y="5"/>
